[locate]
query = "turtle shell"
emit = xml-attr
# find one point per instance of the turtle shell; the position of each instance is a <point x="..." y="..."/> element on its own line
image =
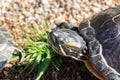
<point x="107" y="33"/>
<point x="6" y="46"/>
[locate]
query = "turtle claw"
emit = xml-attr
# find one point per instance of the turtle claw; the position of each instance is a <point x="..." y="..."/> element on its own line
<point x="88" y="33"/>
<point x="20" y="52"/>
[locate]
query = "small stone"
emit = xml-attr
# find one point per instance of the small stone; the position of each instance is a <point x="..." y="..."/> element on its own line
<point x="76" y="6"/>
<point x="108" y="2"/>
<point x="72" y="21"/>
<point x="9" y="1"/>
<point x="62" y="4"/>
<point x="21" y="17"/>
<point x="37" y="17"/>
<point x="39" y="4"/>
<point x="55" y="10"/>
<point x="44" y="2"/>
<point x="60" y="10"/>
<point x="59" y="20"/>
<point x="97" y="5"/>
<point x="31" y="18"/>
<point x="95" y="9"/>
<point x="79" y="17"/>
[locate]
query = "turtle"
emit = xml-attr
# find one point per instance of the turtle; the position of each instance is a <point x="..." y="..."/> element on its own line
<point x="7" y="46"/>
<point x="96" y="42"/>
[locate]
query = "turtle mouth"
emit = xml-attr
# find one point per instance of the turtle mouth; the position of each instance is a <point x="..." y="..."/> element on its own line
<point x="52" y="40"/>
<point x="75" y="53"/>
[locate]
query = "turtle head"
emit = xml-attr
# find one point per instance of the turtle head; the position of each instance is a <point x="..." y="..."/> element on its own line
<point x="68" y="43"/>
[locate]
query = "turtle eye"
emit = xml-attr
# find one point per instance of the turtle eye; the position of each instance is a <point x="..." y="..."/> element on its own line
<point x="55" y="34"/>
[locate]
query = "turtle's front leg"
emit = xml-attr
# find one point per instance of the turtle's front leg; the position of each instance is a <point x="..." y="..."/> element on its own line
<point x="98" y="61"/>
<point x="88" y="33"/>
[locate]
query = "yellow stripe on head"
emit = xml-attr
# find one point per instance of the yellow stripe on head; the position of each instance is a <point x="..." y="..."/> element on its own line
<point x="74" y="44"/>
<point x="62" y="50"/>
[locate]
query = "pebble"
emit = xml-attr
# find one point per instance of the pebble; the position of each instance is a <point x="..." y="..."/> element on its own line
<point x="76" y="6"/>
<point x="95" y="9"/>
<point x="108" y="2"/>
<point x="59" y="19"/>
<point x="55" y="10"/>
<point x="72" y="21"/>
<point x="45" y="2"/>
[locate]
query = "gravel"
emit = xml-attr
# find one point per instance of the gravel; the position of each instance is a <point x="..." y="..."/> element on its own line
<point x="17" y="15"/>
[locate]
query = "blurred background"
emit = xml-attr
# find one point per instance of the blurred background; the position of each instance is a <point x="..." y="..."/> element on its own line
<point x="19" y="16"/>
